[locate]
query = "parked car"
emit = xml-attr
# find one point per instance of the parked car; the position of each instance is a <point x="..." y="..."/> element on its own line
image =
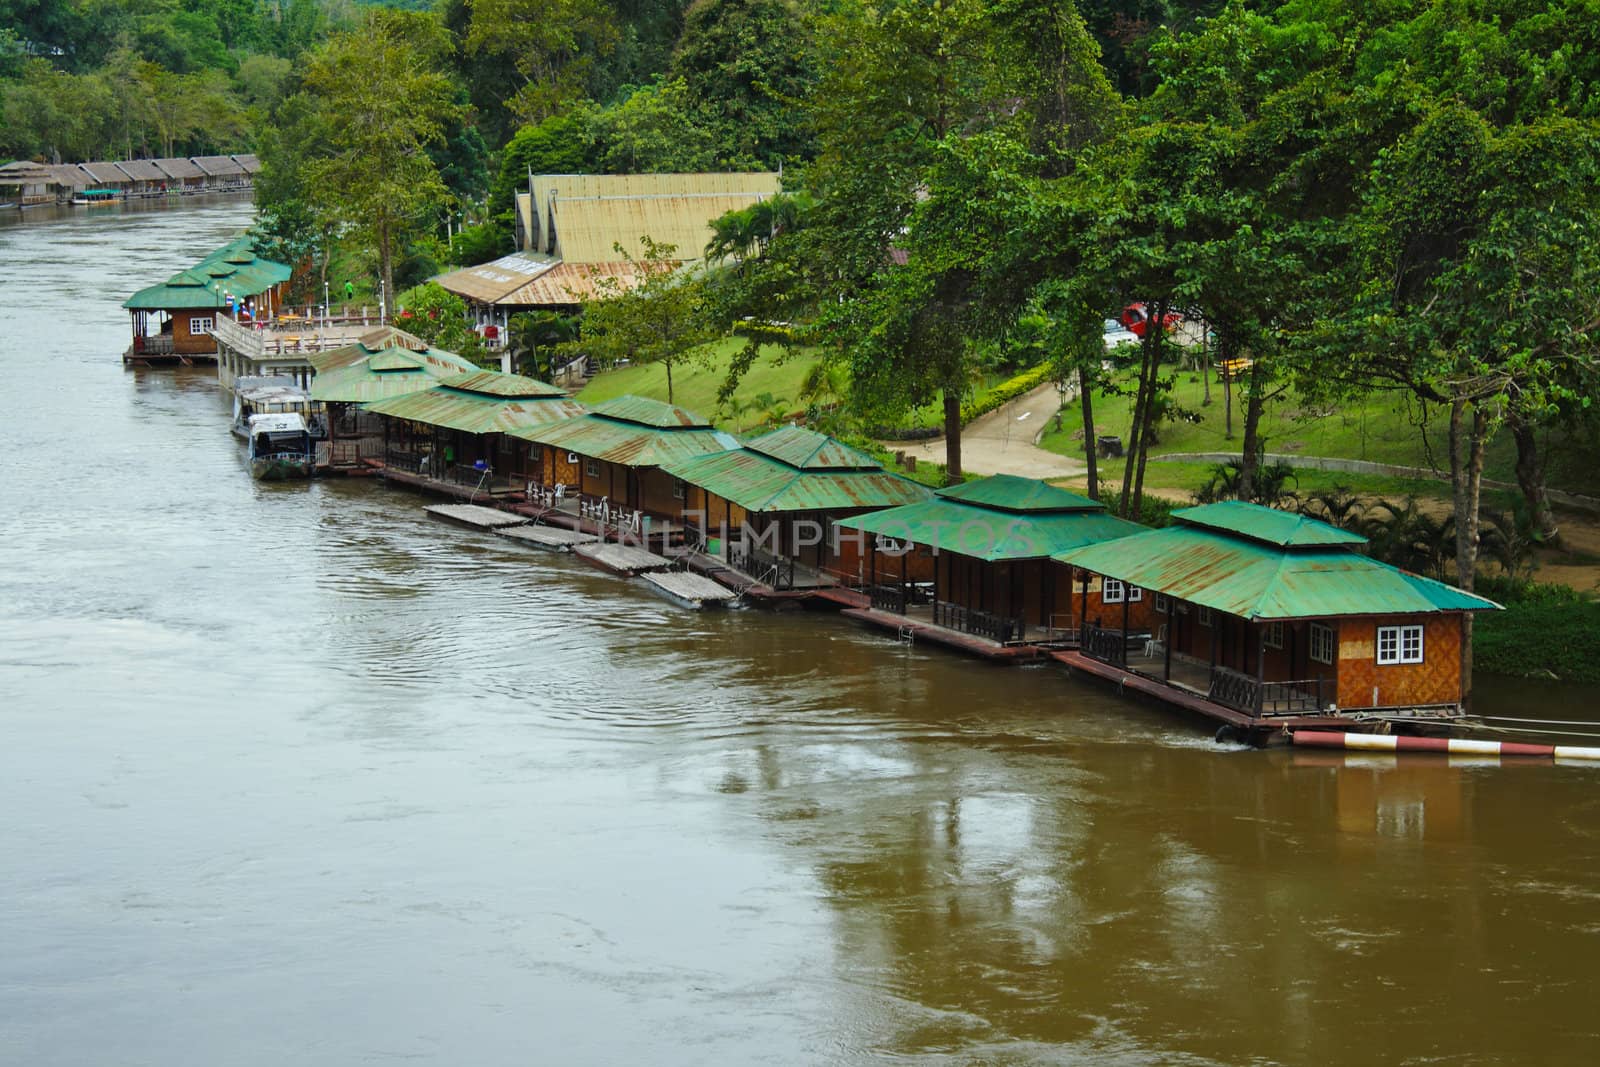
<point x="1118" y="334"/>
<point x="1137" y="319"/>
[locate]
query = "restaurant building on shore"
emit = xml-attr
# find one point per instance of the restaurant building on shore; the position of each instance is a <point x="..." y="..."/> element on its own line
<point x="568" y="227"/>
<point x="1266" y="612"/>
<point x="976" y="562"/>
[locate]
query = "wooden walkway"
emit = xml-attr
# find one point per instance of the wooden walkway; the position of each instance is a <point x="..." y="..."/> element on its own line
<point x="1260" y="729"/>
<point x="689" y="590"/>
<point x="621" y="559"/>
<point x="919" y="631"/>
<point x="479" y="518"/>
<point x="550" y="538"/>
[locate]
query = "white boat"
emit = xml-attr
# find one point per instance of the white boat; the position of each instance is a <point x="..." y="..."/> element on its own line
<point x="258" y="395"/>
<point x="281" y="447"/>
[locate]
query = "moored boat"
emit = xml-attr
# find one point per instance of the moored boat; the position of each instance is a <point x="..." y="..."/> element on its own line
<point x="281" y="447"/>
<point x="273" y="396"/>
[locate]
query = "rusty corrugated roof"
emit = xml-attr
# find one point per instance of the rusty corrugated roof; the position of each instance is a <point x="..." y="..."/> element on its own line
<point x="760" y="483"/>
<point x="386" y="373"/>
<point x="631" y="444"/>
<point x="477" y="410"/>
<point x="994" y="533"/>
<point x="1008" y="492"/>
<point x="591" y="213"/>
<point x="1266" y="524"/>
<point x="494" y="383"/>
<point x="647" y="412"/>
<point x="806" y="449"/>
<point x="105" y="173"/>
<point x="375" y="341"/>
<point x="207" y="283"/>
<point x="575" y="283"/>
<point x="1252" y="579"/>
<point x="490" y="283"/>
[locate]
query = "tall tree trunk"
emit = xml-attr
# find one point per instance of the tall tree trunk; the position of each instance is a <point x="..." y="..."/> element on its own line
<point x="952" y="436"/>
<point x="1090" y="444"/>
<point x="668" y="364"/>
<point x="1136" y="429"/>
<point x="1466" y="483"/>
<point x="1530" y="476"/>
<point x="1250" y="452"/>
<point x="1205" y="363"/>
<point x="1147" y="433"/>
<point x="385" y="268"/>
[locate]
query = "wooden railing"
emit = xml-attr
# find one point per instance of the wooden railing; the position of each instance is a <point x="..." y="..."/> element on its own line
<point x="774" y="571"/>
<point x="1107" y="646"/>
<point x="1244" y="692"/>
<point x="888" y="598"/>
<point x="980" y="623"/>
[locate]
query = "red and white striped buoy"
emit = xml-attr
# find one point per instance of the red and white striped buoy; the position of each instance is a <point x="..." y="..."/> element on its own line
<point x="1455" y="746"/>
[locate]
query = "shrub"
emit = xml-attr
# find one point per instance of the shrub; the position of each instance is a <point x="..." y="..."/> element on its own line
<point x="1005" y="391"/>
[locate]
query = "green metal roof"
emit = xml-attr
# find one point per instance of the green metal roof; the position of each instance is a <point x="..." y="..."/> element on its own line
<point x="492" y="383"/>
<point x="376" y="340"/>
<point x="207" y="283"/>
<point x="1229" y="572"/>
<point x="759" y="483"/>
<point x="484" y="402"/>
<point x="646" y="412"/>
<point x="1008" y="492"/>
<point x="808" y="450"/>
<point x="991" y="533"/>
<point x="602" y="436"/>
<point x="1266" y="524"/>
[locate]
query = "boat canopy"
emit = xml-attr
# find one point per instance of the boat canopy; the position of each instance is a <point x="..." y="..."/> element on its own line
<point x="278" y="422"/>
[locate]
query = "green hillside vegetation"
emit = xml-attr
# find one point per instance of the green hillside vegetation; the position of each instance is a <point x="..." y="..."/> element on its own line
<point x="775" y="376"/>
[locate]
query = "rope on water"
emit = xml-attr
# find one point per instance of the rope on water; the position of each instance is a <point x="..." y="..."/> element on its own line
<point x="1552" y="733"/>
<point x="1539" y="722"/>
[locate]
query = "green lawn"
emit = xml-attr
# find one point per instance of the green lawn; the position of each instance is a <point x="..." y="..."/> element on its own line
<point x="1382" y="428"/>
<point x="695" y="383"/>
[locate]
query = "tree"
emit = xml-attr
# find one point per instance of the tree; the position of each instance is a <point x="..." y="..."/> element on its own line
<point x="553" y="45"/>
<point x="387" y="100"/>
<point x="658" y="318"/>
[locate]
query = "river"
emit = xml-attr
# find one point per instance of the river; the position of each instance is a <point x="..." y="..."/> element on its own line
<point x="292" y="774"/>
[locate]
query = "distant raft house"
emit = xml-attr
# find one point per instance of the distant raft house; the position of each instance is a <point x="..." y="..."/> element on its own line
<point x="1257" y="613"/>
<point x="771" y="504"/>
<point x="569" y="224"/>
<point x="174" y="321"/>
<point x="973" y="566"/>
<point x="28" y="184"/>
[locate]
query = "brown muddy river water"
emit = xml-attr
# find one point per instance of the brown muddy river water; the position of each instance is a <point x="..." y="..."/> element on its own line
<point x="291" y="774"/>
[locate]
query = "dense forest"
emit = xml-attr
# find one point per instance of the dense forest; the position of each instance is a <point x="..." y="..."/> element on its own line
<point x="1395" y="197"/>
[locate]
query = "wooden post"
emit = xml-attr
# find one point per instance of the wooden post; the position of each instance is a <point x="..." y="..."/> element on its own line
<point x="1172" y="624"/>
<point x="1122" y="656"/>
<point x="1083" y="607"/>
<point x="1261" y="665"/>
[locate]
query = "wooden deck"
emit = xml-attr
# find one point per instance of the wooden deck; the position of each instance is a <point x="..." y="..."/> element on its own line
<point x="621" y="559"/>
<point x="1259" y="730"/>
<point x="479" y="518"/>
<point x="921" y="631"/>
<point x="689" y="590"/>
<point x="550" y="538"/>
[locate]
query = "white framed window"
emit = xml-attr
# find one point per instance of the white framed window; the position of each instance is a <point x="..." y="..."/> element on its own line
<point x="1399" y="644"/>
<point x="680" y="490"/>
<point x="1321" y="643"/>
<point x="1163" y="605"/>
<point x="1135" y="594"/>
<point x="1273" y="635"/>
<point x="591" y="467"/>
<point x="1111" y="592"/>
<point x="199" y="324"/>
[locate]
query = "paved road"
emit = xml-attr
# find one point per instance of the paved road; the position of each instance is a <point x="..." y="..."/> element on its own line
<point x="1001" y="442"/>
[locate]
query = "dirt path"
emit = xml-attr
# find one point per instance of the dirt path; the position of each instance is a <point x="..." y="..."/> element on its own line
<point x="1001" y="442"/>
